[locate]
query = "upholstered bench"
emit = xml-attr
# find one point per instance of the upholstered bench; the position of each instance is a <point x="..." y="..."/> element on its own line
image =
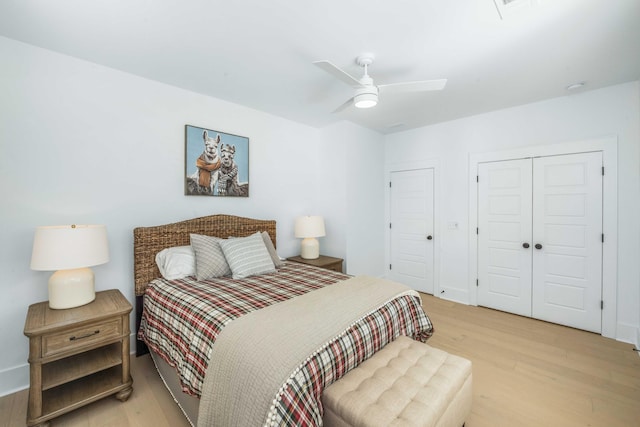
<point x="407" y="383"/>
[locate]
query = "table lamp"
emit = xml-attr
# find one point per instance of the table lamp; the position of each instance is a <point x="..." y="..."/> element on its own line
<point x="309" y="227"/>
<point x="71" y="250"/>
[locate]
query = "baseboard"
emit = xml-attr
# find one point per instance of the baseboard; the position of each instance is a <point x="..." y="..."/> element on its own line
<point x="14" y="379"/>
<point x="628" y="333"/>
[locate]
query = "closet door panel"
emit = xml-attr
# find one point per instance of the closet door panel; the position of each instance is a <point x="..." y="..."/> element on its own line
<point x="567" y="226"/>
<point x="504" y="218"/>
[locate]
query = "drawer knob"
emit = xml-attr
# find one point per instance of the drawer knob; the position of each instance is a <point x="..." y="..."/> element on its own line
<point x="90" y="334"/>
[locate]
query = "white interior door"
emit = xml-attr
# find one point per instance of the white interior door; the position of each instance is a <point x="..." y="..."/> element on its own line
<point x="567" y="237"/>
<point x="504" y="235"/>
<point x="411" y="233"/>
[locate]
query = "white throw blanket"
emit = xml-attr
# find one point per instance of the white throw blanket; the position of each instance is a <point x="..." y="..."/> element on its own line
<point x="255" y="355"/>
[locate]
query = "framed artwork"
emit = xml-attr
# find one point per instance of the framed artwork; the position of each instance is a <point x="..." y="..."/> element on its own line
<point x="216" y="163"/>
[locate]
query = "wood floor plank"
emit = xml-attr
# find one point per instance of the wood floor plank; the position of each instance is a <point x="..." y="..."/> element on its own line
<point x="525" y="373"/>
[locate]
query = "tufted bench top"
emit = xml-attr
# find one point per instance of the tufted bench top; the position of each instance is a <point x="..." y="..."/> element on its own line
<point x="407" y="383"/>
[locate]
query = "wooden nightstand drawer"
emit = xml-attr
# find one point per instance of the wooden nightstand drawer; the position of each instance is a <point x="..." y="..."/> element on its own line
<point x="323" y="261"/>
<point x="70" y="340"/>
<point x="336" y="266"/>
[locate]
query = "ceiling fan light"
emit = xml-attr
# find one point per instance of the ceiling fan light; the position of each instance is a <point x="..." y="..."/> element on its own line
<point x="365" y="100"/>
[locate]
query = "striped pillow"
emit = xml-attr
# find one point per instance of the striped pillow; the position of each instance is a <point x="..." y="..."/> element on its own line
<point x="277" y="262"/>
<point x="210" y="261"/>
<point x="247" y="256"/>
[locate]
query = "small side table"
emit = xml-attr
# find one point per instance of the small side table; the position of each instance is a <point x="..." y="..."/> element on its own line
<point x="77" y="355"/>
<point x="330" y="263"/>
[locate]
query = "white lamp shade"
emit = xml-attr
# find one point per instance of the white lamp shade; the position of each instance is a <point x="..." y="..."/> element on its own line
<point x="68" y="247"/>
<point x="309" y="226"/>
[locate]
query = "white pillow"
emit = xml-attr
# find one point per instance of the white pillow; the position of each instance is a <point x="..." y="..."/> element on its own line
<point x="210" y="261"/>
<point x="176" y="262"/>
<point x="247" y="256"/>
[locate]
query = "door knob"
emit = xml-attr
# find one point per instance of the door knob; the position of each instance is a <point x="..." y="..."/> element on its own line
<point x="429" y="237"/>
<point x="525" y="245"/>
<point x="538" y="246"/>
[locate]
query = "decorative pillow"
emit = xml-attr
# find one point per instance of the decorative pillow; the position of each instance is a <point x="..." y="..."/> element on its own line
<point x="247" y="256"/>
<point x="277" y="262"/>
<point x="210" y="261"/>
<point x="176" y="262"/>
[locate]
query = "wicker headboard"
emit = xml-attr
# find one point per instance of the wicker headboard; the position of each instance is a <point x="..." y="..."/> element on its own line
<point x="148" y="241"/>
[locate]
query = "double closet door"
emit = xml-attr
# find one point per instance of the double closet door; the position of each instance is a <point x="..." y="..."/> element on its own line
<point x="540" y="238"/>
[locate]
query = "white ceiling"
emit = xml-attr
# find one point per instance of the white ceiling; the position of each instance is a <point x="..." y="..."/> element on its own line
<point x="259" y="53"/>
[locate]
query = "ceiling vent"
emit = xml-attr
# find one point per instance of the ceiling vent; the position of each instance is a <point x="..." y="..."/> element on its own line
<point x="508" y="8"/>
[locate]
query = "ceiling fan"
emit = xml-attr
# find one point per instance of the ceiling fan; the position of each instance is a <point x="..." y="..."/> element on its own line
<point x="366" y="94"/>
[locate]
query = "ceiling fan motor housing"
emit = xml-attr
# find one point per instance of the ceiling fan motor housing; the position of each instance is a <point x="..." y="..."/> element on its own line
<point x="366" y="97"/>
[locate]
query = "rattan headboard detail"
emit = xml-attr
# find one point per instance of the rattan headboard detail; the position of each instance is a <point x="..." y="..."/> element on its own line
<point x="148" y="241"/>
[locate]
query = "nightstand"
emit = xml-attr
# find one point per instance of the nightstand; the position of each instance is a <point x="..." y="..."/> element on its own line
<point x="77" y="355"/>
<point x="330" y="263"/>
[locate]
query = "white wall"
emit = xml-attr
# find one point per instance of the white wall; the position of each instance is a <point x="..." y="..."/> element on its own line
<point x="610" y="111"/>
<point x="353" y="174"/>
<point x="81" y="143"/>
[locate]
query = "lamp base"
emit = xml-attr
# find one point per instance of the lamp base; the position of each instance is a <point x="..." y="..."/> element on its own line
<point x="71" y="288"/>
<point x="309" y="248"/>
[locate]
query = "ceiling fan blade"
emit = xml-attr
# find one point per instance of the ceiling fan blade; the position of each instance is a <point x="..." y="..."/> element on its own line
<point x="338" y="73"/>
<point x="419" y="86"/>
<point x="348" y="103"/>
<point x="344" y="106"/>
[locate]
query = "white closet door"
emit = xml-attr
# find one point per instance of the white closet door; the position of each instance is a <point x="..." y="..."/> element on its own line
<point x="567" y="226"/>
<point x="504" y="219"/>
<point x="412" y="229"/>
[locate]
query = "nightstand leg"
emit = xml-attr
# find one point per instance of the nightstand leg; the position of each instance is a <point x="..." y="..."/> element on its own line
<point x="123" y="395"/>
<point x="126" y="373"/>
<point x="35" y="392"/>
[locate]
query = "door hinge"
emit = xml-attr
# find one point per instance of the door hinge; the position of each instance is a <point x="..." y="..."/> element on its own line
<point x="603" y="171"/>
<point x="602" y="237"/>
<point x="477" y="178"/>
<point x="389" y="184"/>
<point x="601" y="305"/>
<point x="477" y="230"/>
<point x="389" y="225"/>
<point x="389" y="266"/>
<point x="476" y="282"/>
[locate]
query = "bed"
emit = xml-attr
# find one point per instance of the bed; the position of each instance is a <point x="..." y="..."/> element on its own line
<point x="229" y="353"/>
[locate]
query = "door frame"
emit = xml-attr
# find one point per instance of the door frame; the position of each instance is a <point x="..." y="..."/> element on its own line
<point x="608" y="145"/>
<point x="409" y="166"/>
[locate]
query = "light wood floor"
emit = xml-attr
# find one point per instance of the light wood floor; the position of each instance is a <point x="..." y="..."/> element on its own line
<point x="525" y="372"/>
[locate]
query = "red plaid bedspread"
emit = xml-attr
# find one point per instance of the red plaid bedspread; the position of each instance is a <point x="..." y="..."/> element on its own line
<point x="182" y="318"/>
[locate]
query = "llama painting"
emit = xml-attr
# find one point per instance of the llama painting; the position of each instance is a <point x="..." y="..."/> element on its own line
<point x="216" y="163"/>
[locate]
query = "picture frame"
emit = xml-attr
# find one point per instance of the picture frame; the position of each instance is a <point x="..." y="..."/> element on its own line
<point x="216" y="163"/>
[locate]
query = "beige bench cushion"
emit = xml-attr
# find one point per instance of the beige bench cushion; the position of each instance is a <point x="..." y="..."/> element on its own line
<point x="407" y="383"/>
